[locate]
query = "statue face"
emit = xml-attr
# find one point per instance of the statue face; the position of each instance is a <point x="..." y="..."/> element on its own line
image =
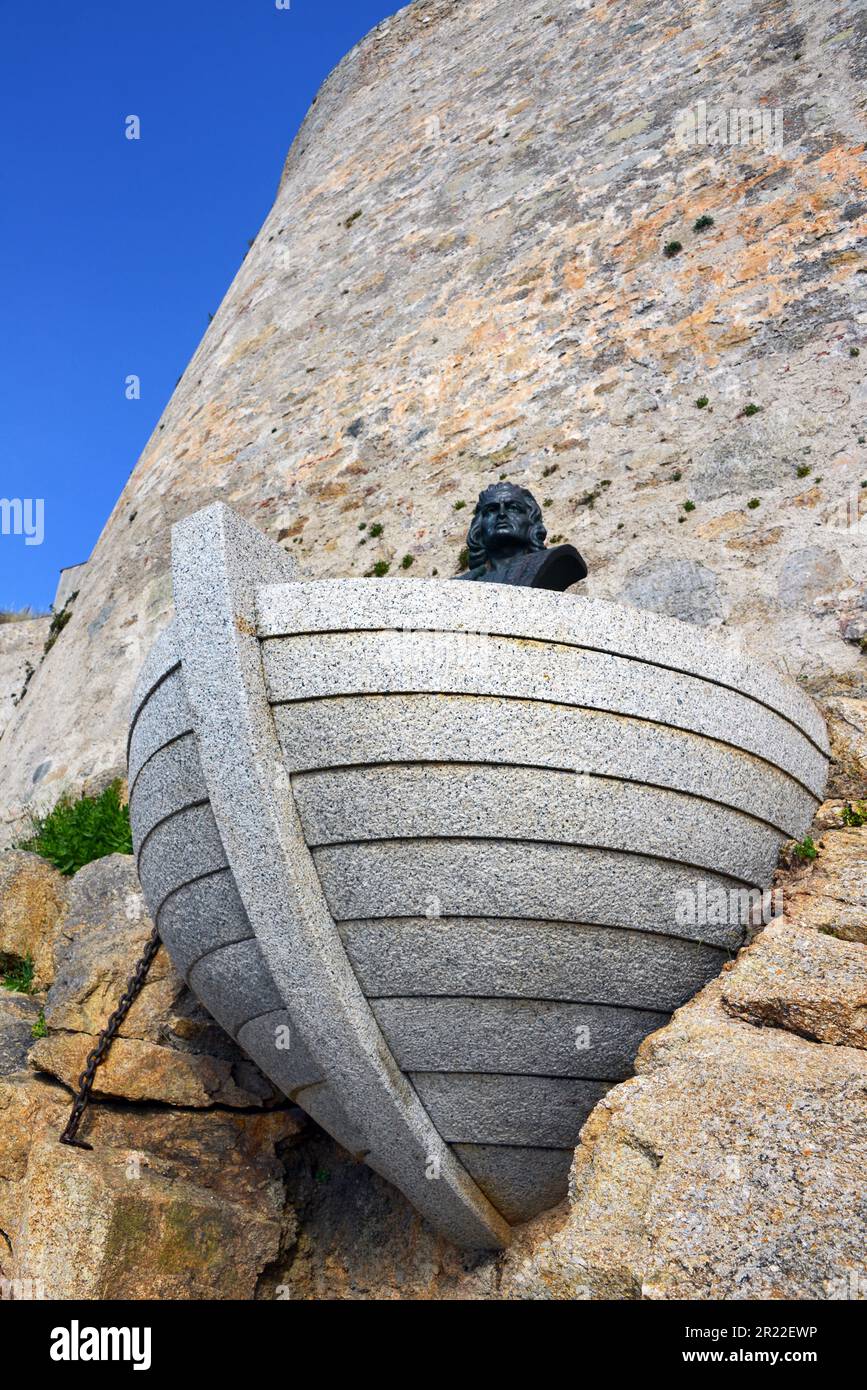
<point x="505" y="520"/>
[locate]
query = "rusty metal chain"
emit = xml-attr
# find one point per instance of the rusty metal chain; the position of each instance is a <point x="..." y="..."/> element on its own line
<point x="106" y="1038"/>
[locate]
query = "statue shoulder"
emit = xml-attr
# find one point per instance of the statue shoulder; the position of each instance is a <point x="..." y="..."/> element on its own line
<point x="556" y="568"/>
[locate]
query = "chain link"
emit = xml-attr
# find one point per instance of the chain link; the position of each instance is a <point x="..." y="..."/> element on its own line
<point x="106" y="1038"/>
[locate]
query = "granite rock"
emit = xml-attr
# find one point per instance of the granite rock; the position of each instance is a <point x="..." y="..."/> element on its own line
<point x="359" y="1239"/>
<point x="169" y="1049"/>
<point x="727" y="1168"/>
<point x="18" y="1015"/>
<point x="162" y="1207"/>
<point x="829" y="894"/>
<point x="805" y="981"/>
<point x="847" y="728"/>
<point x="32" y="906"/>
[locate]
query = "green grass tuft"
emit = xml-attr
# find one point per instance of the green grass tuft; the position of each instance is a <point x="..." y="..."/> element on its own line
<point x="77" y="832"/>
<point x="58" y="623"/>
<point x="16" y="973"/>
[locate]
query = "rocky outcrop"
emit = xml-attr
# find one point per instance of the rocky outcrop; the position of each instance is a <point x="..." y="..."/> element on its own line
<point x="32" y="904"/>
<point x="168" y="1049"/>
<point x="795" y="978"/>
<point x="183" y="1194"/>
<point x="730" y="1167"/>
<point x="847" y="729"/>
<point x="830" y="893"/>
<point x="19" y="1015"/>
<point x="162" y="1208"/>
<point x="464" y="274"/>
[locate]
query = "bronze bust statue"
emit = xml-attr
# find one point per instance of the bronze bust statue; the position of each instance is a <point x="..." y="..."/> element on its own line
<point x="506" y="541"/>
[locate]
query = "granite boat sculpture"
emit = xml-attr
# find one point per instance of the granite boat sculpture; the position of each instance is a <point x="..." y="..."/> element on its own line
<point x="427" y="850"/>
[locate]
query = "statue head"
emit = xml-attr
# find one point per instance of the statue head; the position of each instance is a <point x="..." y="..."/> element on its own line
<point x="507" y="521"/>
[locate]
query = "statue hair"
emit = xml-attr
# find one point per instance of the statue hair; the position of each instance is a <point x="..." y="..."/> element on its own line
<point x="537" y="532"/>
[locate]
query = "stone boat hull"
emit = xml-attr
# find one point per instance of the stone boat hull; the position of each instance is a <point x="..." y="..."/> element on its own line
<point x="440" y="856"/>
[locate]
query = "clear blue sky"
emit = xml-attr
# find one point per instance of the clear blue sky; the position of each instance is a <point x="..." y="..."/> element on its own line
<point x="114" y="251"/>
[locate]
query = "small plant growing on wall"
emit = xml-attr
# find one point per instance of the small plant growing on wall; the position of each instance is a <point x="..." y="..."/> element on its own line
<point x="58" y="623"/>
<point x="79" y="831"/>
